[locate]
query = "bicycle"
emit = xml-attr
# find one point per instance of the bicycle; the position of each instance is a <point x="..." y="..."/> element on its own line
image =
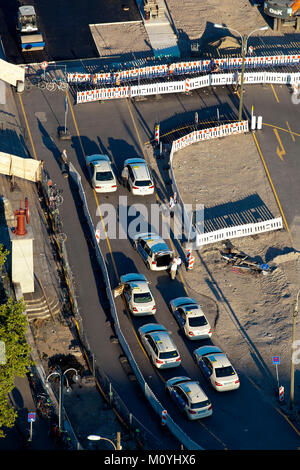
<point x="58" y="83"/>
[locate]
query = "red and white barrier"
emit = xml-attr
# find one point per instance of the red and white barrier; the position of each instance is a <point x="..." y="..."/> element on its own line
<point x="164" y="417"/>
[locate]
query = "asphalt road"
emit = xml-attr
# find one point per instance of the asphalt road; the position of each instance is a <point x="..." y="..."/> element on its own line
<point x="241" y="419"/>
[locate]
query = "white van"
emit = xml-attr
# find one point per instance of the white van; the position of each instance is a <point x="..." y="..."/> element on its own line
<point x="139" y="178"/>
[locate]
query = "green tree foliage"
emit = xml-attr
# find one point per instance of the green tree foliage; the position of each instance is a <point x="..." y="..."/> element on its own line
<point x="13" y="325"/>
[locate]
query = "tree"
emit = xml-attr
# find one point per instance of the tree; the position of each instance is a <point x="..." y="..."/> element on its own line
<point x="13" y="325"/>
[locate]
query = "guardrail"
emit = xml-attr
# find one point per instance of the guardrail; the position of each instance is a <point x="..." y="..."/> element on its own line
<point x="154" y="402"/>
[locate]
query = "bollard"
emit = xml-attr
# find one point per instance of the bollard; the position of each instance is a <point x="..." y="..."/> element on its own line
<point x="157" y="134"/>
<point x="253" y="123"/>
<point x="259" y="122"/>
<point x="281" y="393"/>
<point x="191" y="263"/>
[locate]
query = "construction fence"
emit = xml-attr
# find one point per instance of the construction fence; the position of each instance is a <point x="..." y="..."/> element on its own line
<point x="26" y="168"/>
<point x="201" y="238"/>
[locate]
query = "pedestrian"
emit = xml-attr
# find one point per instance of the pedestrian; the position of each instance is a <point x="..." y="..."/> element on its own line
<point x="172" y="206"/>
<point x="65" y="164"/>
<point x="173" y="269"/>
<point x="124" y="176"/>
<point x="175" y="198"/>
<point x="178" y="262"/>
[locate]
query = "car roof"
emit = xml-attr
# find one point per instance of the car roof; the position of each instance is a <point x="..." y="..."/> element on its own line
<point x="132" y="277"/>
<point x="181" y="301"/>
<point x="27" y="10"/>
<point x="219" y="360"/>
<point x="163" y="341"/>
<point x="139" y="286"/>
<point x="102" y="165"/>
<point x="159" y="335"/>
<point x="195" y="312"/>
<point x="132" y="161"/>
<point x="193" y="390"/>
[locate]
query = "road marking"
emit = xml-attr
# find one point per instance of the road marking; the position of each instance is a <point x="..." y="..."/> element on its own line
<point x="95" y="194"/>
<point x="290" y="132"/>
<point x="281" y="129"/>
<point x="280" y="151"/>
<point x="275" y="94"/>
<point x="273" y="188"/>
<point x="27" y="127"/>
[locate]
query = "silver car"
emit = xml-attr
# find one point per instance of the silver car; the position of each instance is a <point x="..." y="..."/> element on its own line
<point x="102" y="175"/>
<point x="159" y="346"/>
<point x="137" y="294"/>
<point x="190" y="317"/>
<point x="189" y="397"/>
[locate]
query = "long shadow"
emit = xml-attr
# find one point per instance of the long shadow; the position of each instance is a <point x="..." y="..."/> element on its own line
<point x="252" y="348"/>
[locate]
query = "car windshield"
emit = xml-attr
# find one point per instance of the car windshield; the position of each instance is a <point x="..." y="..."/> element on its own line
<point x="143" y="183"/>
<point x="104" y="176"/>
<point x="168" y="354"/>
<point x="197" y="321"/>
<point x="200" y="404"/>
<point x="142" y="298"/>
<point x="224" y="371"/>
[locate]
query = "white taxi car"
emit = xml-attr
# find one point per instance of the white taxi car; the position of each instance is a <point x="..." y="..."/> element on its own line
<point x="139" y="178"/>
<point x="190" y="317"/>
<point x="216" y="368"/>
<point x="137" y="294"/>
<point x="154" y="251"/>
<point x="159" y="346"/>
<point x="102" y="175"/>
<point x="189" y="397"/>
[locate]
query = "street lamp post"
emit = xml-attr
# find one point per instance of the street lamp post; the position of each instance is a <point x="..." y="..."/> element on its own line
<point x="244" y="39"/>
<point x="295" y="313"/>
<point x="95" y="437"/>
<point x="62" y="376"/>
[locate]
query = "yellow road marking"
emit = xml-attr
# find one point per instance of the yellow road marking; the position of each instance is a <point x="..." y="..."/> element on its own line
<point x="27" y="127"/>
<point x="95" y="194"/>
<point x="290" y="132"/>
<point x="275" y="94"/>
<point x="281" y="129"/>
<point x="273" y="188"/>
<point x="280" y="151"/>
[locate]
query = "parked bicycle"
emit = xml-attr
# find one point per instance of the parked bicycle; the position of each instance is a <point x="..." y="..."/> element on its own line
<point x="57" y="84"/>
<point x="34" y="80"/>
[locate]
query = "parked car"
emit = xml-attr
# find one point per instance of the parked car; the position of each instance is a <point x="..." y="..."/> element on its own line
<point x="189" y="397"/>
<point x="154" y="251"/>
<point x="190" y="317"/>
<point x="137" y="294"/>
<point x="216" y="368"/>
<point x="140" y="181"/>
<point x="159" y="346"/>
<point x="102" y="175"/>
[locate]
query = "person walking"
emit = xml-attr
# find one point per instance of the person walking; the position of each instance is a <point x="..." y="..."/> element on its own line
<point x="178" y="262"/>
<point x="65" y="164"/>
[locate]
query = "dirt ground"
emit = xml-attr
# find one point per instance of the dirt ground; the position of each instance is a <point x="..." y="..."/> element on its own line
<point x="253" y="321"/>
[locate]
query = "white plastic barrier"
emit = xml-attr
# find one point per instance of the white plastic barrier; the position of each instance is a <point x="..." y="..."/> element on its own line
<point x="238" y="231"/>
<point x="186" y="85"/>
<point x="210" y="133"/>
<point x="187" y="67"/>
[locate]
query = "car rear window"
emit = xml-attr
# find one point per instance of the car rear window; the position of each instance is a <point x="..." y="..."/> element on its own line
<point x="168" y="355"/>
<point x="224" y="371"/>
<point x="142" y="183"/>
<point x="104" y="176"/>
<point x="200" y="404"/>
<point x="197" y="321"/>
<point x="142" y="298"/>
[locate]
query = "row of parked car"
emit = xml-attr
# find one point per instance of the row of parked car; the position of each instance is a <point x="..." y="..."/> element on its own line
<point x="139" y="179"/>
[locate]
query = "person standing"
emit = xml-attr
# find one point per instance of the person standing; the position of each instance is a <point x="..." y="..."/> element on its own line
<point x="173" y="269"/>
<point x="172" y="206"/>
<point x="65" y="164"/>
<point x="124" y="176"/>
